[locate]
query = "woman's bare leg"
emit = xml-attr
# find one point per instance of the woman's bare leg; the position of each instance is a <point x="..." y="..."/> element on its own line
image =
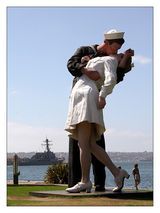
<point x="84" y="132"/>
<point x="101" y="155"/>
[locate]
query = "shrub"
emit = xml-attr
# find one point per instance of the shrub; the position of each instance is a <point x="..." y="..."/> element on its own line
<point x="57" y="173"/>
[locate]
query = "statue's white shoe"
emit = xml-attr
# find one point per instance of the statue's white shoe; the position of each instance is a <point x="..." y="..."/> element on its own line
<point x="79" y="187"/>
<point x="119" y="180"/>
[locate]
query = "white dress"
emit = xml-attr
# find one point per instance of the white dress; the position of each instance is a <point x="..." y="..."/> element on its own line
<point x="84" y="95"/>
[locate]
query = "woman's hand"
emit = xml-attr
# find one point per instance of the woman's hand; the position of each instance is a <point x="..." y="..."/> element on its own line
<point x="101" y="102"/>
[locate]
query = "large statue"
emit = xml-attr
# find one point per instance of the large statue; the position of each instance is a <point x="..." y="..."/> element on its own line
<point x="113" y="41"/>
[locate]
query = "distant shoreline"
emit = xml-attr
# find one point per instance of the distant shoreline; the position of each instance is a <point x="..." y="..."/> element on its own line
<point x="115" y="156"/>
<point x="33" y="182"/>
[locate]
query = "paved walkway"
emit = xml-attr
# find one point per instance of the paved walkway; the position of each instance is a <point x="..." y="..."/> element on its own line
<point x="27" y="182"/>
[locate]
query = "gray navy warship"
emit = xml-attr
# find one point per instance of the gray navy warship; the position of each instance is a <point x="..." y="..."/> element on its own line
<point x="41" y="158"/>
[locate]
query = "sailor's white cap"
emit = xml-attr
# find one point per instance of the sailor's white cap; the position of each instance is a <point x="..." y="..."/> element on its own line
<point x="113" y="34"/>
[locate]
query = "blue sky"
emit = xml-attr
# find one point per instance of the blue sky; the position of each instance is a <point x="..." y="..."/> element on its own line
<point x="41" y="40"/>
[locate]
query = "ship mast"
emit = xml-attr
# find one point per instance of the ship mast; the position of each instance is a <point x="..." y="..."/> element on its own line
<point x="47" y="144"/>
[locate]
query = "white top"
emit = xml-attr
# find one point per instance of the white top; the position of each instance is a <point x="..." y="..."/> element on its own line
<point x="106" y="66"/>
<point x="85" y="93"/>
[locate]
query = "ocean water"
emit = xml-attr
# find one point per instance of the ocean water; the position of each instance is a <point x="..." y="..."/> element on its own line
<point x="146" y="173"/>
<point x="37" y="173"/>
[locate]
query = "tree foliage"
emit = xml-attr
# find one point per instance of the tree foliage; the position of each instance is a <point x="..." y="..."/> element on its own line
<point x="57" y="173"/>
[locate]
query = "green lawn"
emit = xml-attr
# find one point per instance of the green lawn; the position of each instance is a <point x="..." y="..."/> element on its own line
<point x="19" y="196"/>
<point x="23" y="190"/>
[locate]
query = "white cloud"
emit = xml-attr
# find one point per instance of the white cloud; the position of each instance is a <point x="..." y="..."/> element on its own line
<point x="128" y="141"/>
<point x="141" y="59"/>
<point x="26" y="138"/>
<point x="127" y="133"/>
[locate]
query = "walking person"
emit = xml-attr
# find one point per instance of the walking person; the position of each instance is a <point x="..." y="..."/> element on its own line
<point x="136" y="175"/>
<point x="113" y="40"/>
<point x="85" y="118"/>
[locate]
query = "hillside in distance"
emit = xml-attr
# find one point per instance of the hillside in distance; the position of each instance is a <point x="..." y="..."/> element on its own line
<point x="115" y="156"/>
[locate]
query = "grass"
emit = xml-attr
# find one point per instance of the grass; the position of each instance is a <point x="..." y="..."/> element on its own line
<point x="19" y="196"/>
<point x="23" y="190"/>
